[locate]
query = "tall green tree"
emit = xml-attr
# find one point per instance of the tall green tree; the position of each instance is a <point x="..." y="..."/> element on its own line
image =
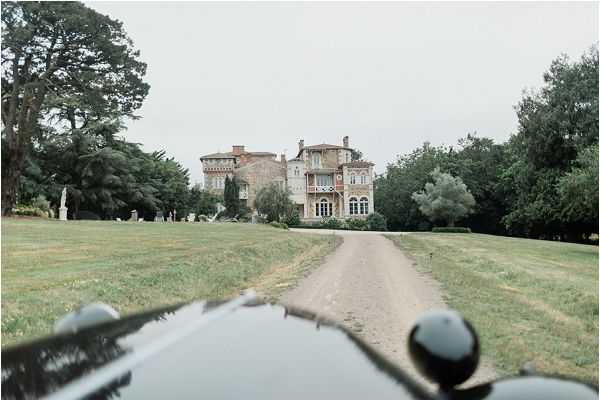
<point x="447" y="199"/>
<point x="555" y="124"/>
<point x="231" y="196"/>
<point x="62" y="63"/>
<point x="480" y="163"/>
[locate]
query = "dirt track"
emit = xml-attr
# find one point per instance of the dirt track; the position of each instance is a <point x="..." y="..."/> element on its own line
<point x="373" y="288"/>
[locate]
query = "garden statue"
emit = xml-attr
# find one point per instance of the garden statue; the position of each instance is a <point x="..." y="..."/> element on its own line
<point x="62" y="211"/>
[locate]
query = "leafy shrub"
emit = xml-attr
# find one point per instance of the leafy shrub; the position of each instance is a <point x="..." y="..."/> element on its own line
<point x="261" y="219"/>
<point x="463" y="230"/>
<point x="291" y="219"/>
<point x="245" y="218"/>
<point x="277" y="224"/>
<point x="26" y="210"/>
<point x="376" y="222"/>
<point x="41" y="203"/>
<point x="87" y="215"/>
<point x="330" y="222"/>
<point x="357" y="224"/>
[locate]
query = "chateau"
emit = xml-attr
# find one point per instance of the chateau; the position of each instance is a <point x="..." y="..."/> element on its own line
<point x="323" y="179"/>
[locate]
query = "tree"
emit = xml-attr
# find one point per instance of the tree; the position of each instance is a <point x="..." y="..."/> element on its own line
<point x="555" y="125"/>
<point x="62" y="63"/>
<point x="274" y="202"/>
<point x="480" y="163"/>
<point x="356" y="155"/>
<point x="447" y="199"/>
<point x="578" y="193"/>
<point x="376" y="222"/>
<point x="408" y="174"/>
<point x="203" y="202"/>
<point x="231" y="196"/>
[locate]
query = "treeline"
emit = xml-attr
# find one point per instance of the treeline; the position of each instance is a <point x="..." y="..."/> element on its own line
<point x="106" y="176"/>
<point x="542" y="183"/>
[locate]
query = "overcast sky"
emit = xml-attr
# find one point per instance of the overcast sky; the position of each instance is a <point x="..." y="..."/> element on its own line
<point x="388" y="75"/>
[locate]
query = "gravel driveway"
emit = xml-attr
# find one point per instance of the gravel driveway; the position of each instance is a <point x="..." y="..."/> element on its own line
<point x="370" y="286"/>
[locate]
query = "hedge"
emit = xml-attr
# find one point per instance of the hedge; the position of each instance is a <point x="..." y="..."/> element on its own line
<point x="463" y="230"/>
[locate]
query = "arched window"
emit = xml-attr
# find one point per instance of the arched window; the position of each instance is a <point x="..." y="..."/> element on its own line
<point x="364" y="205"/>
<point x="323" y="208"/>
<point x="353" y="206"/>
<point x="352" y="178"/>
<point x="296" y="171"/>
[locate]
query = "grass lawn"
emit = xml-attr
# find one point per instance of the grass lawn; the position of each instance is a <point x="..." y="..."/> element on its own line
<point x="529" y="300"/>
<point x="50" y="268"/>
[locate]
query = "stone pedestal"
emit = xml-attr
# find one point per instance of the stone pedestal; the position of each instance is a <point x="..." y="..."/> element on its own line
<point x="62" y="213"/>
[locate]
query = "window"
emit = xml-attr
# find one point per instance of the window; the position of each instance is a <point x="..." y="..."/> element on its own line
<point x="324" y="180"/>
<point x="353" y="206"/>
<point x="296" y="171"/>
<point x="347" y="157"/>
<point x="316" y="160"/>
<point x="364" y="205"/>
<point x="352" y="178"/>
<point x="364" y="179"/>
<point x="323" y="208"/>
<point x="219" y="182"/>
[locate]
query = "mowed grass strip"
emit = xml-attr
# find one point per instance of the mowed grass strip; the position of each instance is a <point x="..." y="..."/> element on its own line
<point x="50" y="267"/>
<point x="529" y="300"/>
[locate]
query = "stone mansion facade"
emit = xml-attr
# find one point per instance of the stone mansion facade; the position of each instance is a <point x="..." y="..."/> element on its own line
<point x="323" y="179"/>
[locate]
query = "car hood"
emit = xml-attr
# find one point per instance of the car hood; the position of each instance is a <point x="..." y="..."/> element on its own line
<point x="206" y="350"/>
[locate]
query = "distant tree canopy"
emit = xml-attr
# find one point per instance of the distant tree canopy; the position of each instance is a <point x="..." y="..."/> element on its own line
<point x="67" y="67"/>
<point x="104" y="174"/>
<point x="542" y="183"/>
<point x="447" y="199"/>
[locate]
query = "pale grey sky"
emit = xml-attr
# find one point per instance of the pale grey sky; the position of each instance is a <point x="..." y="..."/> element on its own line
<point x="388" y="75"/>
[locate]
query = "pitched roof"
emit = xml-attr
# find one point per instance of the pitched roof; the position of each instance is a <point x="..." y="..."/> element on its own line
<point x="322" y="146"/>
<point x="253" y="163"/>
<point x="358" y="163"/>
<point x="230" y="155"/>
<point x="227" y="155"/>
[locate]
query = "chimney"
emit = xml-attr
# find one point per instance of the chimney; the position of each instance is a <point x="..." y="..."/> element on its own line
<point x="346" y="141"/>
<point x="300" y="145"/>
<point x="237" y="150"/>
